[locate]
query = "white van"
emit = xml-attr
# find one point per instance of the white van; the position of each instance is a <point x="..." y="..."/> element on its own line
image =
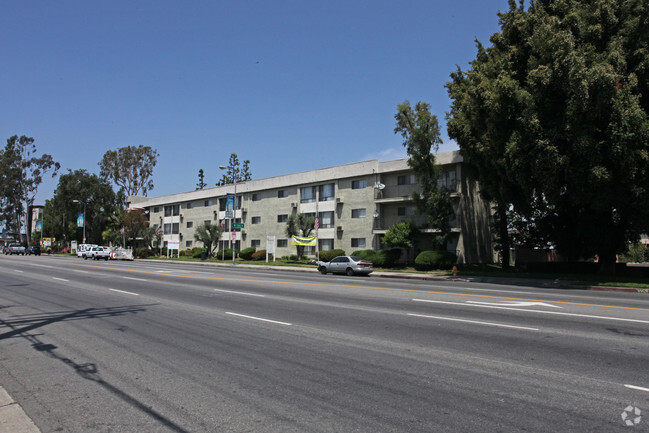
<point x="83" y="250"/>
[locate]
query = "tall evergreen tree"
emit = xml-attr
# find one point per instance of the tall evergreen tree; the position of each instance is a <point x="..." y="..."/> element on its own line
<point x="554" y="116"/>
<point x="421" y="138"/>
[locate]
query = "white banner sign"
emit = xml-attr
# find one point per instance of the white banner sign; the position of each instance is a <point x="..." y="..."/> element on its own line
<point x="173" y="245"/>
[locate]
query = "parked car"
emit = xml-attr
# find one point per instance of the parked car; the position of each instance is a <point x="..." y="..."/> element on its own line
<point x="349" y="265"/>
<point x="98" y="253"/>
<point x="14" y="249"/>
<point x="84" y="249"/>
<point x="34" y="249"/>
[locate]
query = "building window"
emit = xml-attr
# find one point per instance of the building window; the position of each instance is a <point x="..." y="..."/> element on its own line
<point x="309" y="251"/>
<point x="208" y="203"/>
<point x="326" y="244"/>
<point x="255" y="243"/>
<point x="256" y="220"/>
<point x="256" y="196"/>
<point x="171" y="229"/>
<point x="406" y="211"/>
<point x="326" y="220"/>
<point x="189" y="205"/>
<point x="359" y="184"/>
<point x="222" y="203"/>
<point x="358" y="213"/>
<point x="307" y="194"/>
<point x="406" y="179"/>
<point x="188" y="244"/>
<point x="326" y="192"/>
<point x="207" y="222"/>
<point x="173" y="210"/>
<point x="282" y="243"/>
<point x="358" y="242"/>
<point x="447" y="181"/>
<point x="190" y="224"/>
<point x="282" y="218"/>
<point x="156" y="209"/>
<point x="282" y="193"/>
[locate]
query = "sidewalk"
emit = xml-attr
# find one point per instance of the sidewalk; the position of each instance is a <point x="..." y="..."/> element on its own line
<point x="12" y="417"/>
<point x="528" y="282"/>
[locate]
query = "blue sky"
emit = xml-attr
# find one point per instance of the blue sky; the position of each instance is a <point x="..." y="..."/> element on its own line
<point x="289" y="85"/>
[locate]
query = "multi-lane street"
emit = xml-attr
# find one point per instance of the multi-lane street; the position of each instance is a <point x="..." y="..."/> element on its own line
<point x="151" y="347"/>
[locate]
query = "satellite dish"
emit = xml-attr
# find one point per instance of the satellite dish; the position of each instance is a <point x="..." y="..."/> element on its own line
<point x="380" y="186"/>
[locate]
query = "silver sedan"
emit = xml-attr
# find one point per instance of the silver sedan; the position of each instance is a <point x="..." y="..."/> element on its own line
<point x="349" y="265"/>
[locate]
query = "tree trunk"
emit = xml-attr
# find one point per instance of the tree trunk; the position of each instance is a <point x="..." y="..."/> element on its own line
<point x="607" y="263"/>
<point x="503" y="235"/>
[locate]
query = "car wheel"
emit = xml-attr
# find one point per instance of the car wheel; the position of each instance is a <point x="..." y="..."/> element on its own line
<point x="106" y="258"/>
<point x="85" y="257"/>
<point x="323" y="270"/>
<point x="349" y="272"/>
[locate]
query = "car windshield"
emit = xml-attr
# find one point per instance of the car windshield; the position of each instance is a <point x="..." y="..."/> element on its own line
<point x="355" y="258"/>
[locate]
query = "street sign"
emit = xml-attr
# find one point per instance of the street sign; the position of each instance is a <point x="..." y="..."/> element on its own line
<point x="237" y="225"/>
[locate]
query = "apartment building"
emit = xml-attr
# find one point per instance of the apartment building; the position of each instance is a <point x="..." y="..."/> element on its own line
<point x="355" y="204"/>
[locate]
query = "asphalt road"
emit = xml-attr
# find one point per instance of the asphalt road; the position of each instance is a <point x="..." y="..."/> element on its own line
<point x="150" y="347"/>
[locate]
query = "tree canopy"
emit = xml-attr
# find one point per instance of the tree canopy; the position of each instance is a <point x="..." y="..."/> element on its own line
<point x="209" y="235"/>
<point x="103" y="206"/>
<point x="130" y="168"/>
<point x="421" y="138"/>
<point x="21" y="174"/>
<point x="554" y="117"/>
<point x="235" y="172"/>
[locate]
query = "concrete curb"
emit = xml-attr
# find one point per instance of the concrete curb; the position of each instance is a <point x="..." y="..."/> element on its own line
<point x="556" y="284"/>
<point x="13" y="418"/>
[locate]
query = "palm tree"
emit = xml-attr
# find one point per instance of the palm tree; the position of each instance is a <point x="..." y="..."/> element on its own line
<point x="300" y="225"/>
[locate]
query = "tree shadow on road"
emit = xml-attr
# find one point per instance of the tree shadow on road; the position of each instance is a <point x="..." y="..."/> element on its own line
<point x="21" y="327"/>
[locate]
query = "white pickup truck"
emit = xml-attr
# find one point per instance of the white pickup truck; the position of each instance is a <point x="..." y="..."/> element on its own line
<point x="97" y="253"/>
<point x="14" y="249"/>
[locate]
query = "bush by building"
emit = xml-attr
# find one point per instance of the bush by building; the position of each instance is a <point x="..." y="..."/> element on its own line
<point x="246" y="254"/>
<point x="381" y="258"/>
<point x="326" y="256"/>
<point x="429" y="260"/>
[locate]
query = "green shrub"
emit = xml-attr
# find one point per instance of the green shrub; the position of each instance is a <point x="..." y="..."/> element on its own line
<point x="381" y="258"/>
<point x="429" y="260"/>
<point x="246" y="254"/>
<point x="226" y="254"/>
<point x="143" y="253"/>
<point x="261" y="255"/>
<point x="197" y="253"/>
<point x="326" y="256"/>
<point x="293" y="257"/>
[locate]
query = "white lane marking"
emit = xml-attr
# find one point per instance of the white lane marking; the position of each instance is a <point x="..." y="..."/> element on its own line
<point x="19" y="271"/>
<point x="639" y="388"/>
<point x="515" y="304"/>
<point x="122" y="291"/>
<point x="60" y="279"/>
<point x="453" y="319"/>
<point x="79" y="271"/>
<point x="239" y="293"/>
<point x="135" y="279"/>
<point x="258" y="318"/>
<point x="559" y="313"/>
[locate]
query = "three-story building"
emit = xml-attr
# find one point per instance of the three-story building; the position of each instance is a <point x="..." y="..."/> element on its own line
<point x="355" y="205"/>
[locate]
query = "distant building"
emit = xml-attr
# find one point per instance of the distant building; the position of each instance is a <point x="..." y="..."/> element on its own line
<point x="355" y="205"/>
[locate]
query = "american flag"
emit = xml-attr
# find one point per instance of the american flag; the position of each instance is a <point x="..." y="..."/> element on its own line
<point x="316" y="224"/>
<point x="158" y="230"/>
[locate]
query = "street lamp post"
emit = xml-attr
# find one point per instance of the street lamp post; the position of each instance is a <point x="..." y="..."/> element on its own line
<point x="84" y="219"/>
<point x="234" y="210"/>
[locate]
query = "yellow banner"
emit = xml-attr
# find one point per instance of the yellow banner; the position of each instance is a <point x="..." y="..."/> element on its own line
<point x="306" y="242"/>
